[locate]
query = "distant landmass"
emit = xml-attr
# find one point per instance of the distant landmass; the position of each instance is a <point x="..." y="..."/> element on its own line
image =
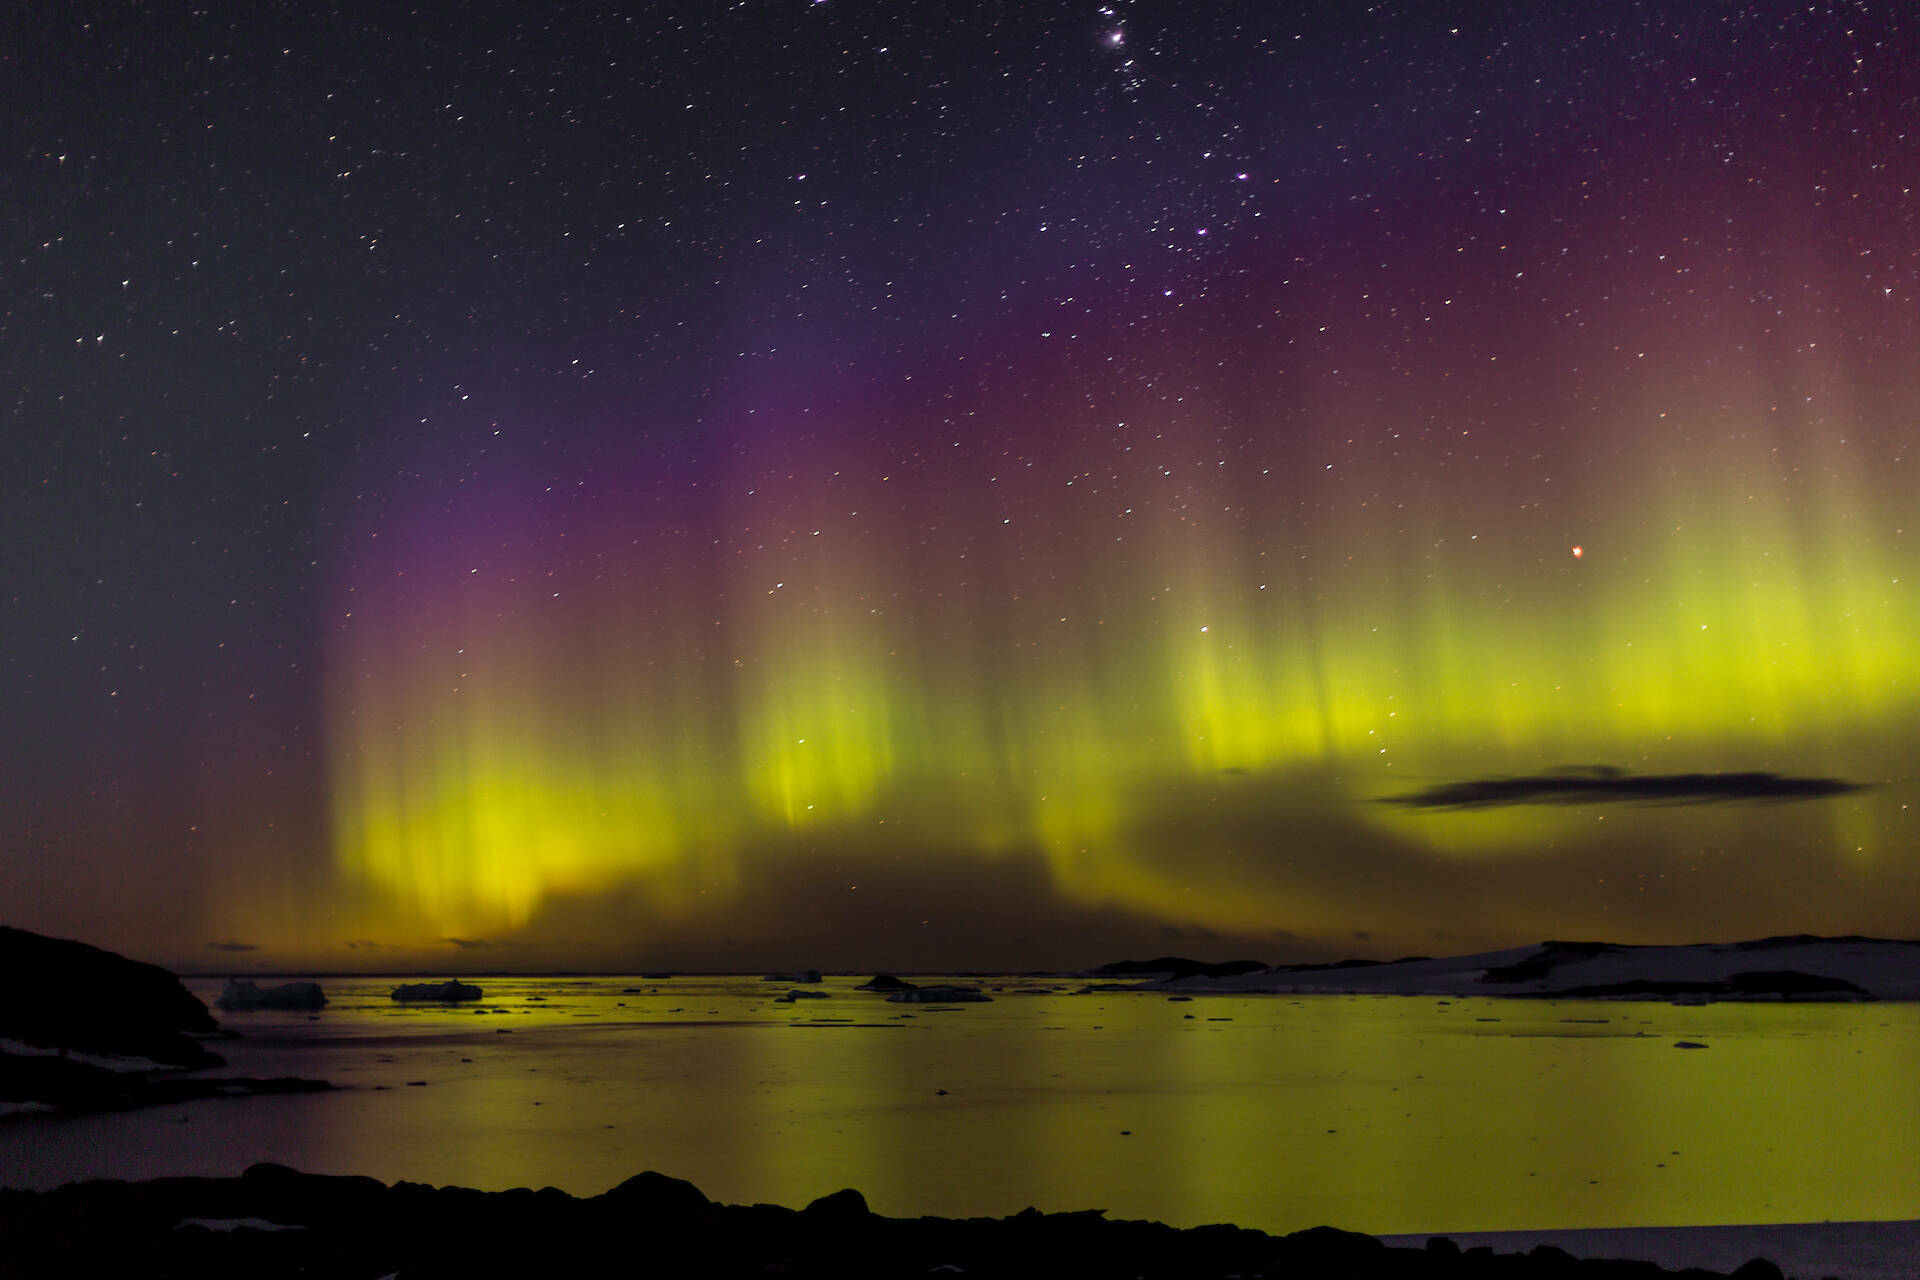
<point x="1795" y="967"/>
<point x="1176" y="967"/>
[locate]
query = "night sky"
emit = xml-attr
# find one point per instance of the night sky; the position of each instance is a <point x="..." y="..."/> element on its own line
<point x="911" y="485"/>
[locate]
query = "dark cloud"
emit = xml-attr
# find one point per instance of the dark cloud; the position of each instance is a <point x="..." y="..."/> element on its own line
<point x="1362" y="935"/>
<point x="234" y="946"/>
<point x="1604" y="784"/>
<point x="468" y="944"/>
<point x="1300" y="845"/>
<point x="366" y="944"/>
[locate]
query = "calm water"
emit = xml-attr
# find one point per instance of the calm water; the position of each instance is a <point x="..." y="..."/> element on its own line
<point x="1375" y="1114"/>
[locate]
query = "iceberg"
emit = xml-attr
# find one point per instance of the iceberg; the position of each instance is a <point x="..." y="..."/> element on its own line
<point x="443" y="992"/>
<point x="241" y="994"/>
<point x="940" y="995"/>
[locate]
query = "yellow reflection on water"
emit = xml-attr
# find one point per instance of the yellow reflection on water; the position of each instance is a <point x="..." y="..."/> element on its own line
<point x="1391" y="1115"/>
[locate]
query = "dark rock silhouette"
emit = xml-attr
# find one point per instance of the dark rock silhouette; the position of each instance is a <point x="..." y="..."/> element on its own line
<point x="104" y="1033"/>
<point x="886" y="982"/>
<point x="60" y="994"/>
<point x="1546" y="959"/>
<point x="346" y="1226"/>
<point x="67" y="1086"/>
<point x="846" y="1206"/>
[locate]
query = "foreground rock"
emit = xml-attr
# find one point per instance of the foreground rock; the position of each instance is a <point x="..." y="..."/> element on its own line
<point x="241" y="994"/>
<point x="436" y="992"/>
<point x="275" y="1222"/>
<point x="1799" y="967"/>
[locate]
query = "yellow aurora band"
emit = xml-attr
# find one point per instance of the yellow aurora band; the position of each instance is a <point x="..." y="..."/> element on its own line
<point x="1060" y="674"/>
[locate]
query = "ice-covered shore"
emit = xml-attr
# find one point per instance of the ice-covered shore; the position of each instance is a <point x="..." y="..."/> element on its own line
<point x="1791" y="968"/>
<point x="1847" y="1250"/>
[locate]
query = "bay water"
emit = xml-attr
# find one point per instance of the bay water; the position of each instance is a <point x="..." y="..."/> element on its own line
<point x="1387" y="1114"/>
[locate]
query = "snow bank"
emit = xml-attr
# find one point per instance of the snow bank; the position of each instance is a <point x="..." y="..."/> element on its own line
<point x="1769" y="968"/>
<point x="1854" y="1250"/>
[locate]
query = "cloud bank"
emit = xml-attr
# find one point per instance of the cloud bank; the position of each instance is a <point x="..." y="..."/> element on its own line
<point x="1605" y="784"/>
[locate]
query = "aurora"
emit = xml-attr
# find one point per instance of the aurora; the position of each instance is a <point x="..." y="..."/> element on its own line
<point x="1176" y="654"/>
<point x="855" y="486"/>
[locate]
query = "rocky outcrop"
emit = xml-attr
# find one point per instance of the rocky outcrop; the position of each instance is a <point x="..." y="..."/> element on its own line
<point x="1550" y="956"/>
<point x="85" y="1030"/>
<point x="273" y="1221"/>
<point x="59" y="994"/>
<point x="31" y="1084"/>
<point x="886" y="982"/>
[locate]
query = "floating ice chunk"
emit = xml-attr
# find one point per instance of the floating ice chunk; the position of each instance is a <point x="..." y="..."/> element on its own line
<point x="940" y="995"/>
<point x="444" y="992"/>
<point x="241" y="994"/>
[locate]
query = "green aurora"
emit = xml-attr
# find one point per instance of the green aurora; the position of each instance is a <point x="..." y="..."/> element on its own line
<point x="1180" y="685"/>
<point x="930" y="487"/>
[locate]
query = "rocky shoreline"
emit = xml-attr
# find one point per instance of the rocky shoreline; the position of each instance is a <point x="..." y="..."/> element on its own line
<point x="32" y="1084"/>
<point x="105" y="1033"/>
<point x="274" y="1221"/>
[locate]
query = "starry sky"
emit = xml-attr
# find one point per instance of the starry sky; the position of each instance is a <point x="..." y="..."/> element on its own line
<point x="982" y="485"/>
